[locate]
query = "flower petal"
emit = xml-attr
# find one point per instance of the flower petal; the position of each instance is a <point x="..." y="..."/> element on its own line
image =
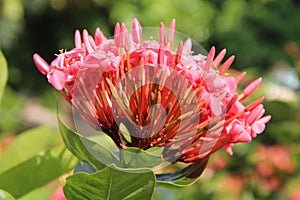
<point x="57" y="79"/>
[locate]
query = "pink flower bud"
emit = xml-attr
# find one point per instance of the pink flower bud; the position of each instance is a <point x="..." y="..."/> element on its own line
<point x="226" y="65"/>
<point x="41" y="64"/>
<point x="212" y="52"/>
<point x="117" y="35"/>
<point x="171" y="34"/>
<point x="219" y="58"/>
<point x="187" y="47"/>
<point x="99" y="37"/>
<point x="86" y="40"/>
<point x="250" y="89"/>
<point x="210" y="58"/>
<point x="240" y="77"/>
<point x="254" y="104"/>
<point x="124" y="38"/>
<point x="77" y="39"/>
<point x="162" y="37"/>
<point x="136" y="31"/>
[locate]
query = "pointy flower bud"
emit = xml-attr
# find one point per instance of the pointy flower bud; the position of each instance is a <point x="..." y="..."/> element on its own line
<point x="136" y="31"/>
<point x="41" y="64"/>
<point x="250" y="89"/>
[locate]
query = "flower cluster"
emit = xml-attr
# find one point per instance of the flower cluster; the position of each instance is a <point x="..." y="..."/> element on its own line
<point x="164" y="95"/>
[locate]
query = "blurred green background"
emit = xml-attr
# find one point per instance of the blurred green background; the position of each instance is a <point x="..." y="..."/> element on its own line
<point x="263" y="34"/>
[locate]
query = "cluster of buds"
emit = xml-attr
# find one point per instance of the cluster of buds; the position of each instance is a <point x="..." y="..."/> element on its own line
<point x="165" y="96"/>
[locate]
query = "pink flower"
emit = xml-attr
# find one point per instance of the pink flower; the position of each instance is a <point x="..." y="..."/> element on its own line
<point x="64" y="68"/>
<point x="296" y="196"/>
<point x="58" y="195"/>
<point x="167" y="98"/>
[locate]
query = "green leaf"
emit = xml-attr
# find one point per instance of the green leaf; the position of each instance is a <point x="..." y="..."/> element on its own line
<point x="37" y="171"/>
<point x="180" y="183"/>
<point x="28" y="144"/>
<point x="138" y="158"/>
<point x="184" y="177"/>
<point x="5" y="195"/>
<point x="3" y="74"/>
<point x="110" y="184"/>
<point x="87" y="150"/>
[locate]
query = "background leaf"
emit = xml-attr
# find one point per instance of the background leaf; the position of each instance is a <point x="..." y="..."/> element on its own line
<point x="28" y="144"/>
<point x="3" y="74"/>
<point x="39" y="193"/>
<point x="110" y="184"/>
<point x="37" y="171"/>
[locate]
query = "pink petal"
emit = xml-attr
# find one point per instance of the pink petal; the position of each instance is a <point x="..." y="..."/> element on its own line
<point x="57" y="78"/>
<point x="218" y="82"/>
<point x="239" y="133"/>
<point x="265" y="119"/>
<point x="231" y="84"/>
<point x="244" y="136"/>
<point x="255" y="114"/>
<point x="215" y="106"/>
<point x="116" y="62"/>
<point x="228" y="148"/>
<point x="237" y="107"/>
<point x="258" y="128"/>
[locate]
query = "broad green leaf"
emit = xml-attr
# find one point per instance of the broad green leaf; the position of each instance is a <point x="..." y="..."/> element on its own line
<point x="28" y="144"/>
<point x="37" y="171"/>
<point x="110" y="184"/>
<point x="138" y="158"/>
<point x="3" y="74"/>
<point x="12" y="105"/>
<point x="184" y="177"/>
<point x="104" y="140"/>
<point x="180" y="183"/>
<point x="87" y="150"/>
<point x="5" y="195"/>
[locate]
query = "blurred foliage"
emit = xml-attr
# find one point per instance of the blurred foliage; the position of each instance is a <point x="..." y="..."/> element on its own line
<point x="3" y="75"/>
<point x="263" y="34"/>
<point x="10" y="120"/>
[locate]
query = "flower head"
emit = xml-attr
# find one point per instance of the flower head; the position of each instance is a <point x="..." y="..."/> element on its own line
<point x="165" y="96"/>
